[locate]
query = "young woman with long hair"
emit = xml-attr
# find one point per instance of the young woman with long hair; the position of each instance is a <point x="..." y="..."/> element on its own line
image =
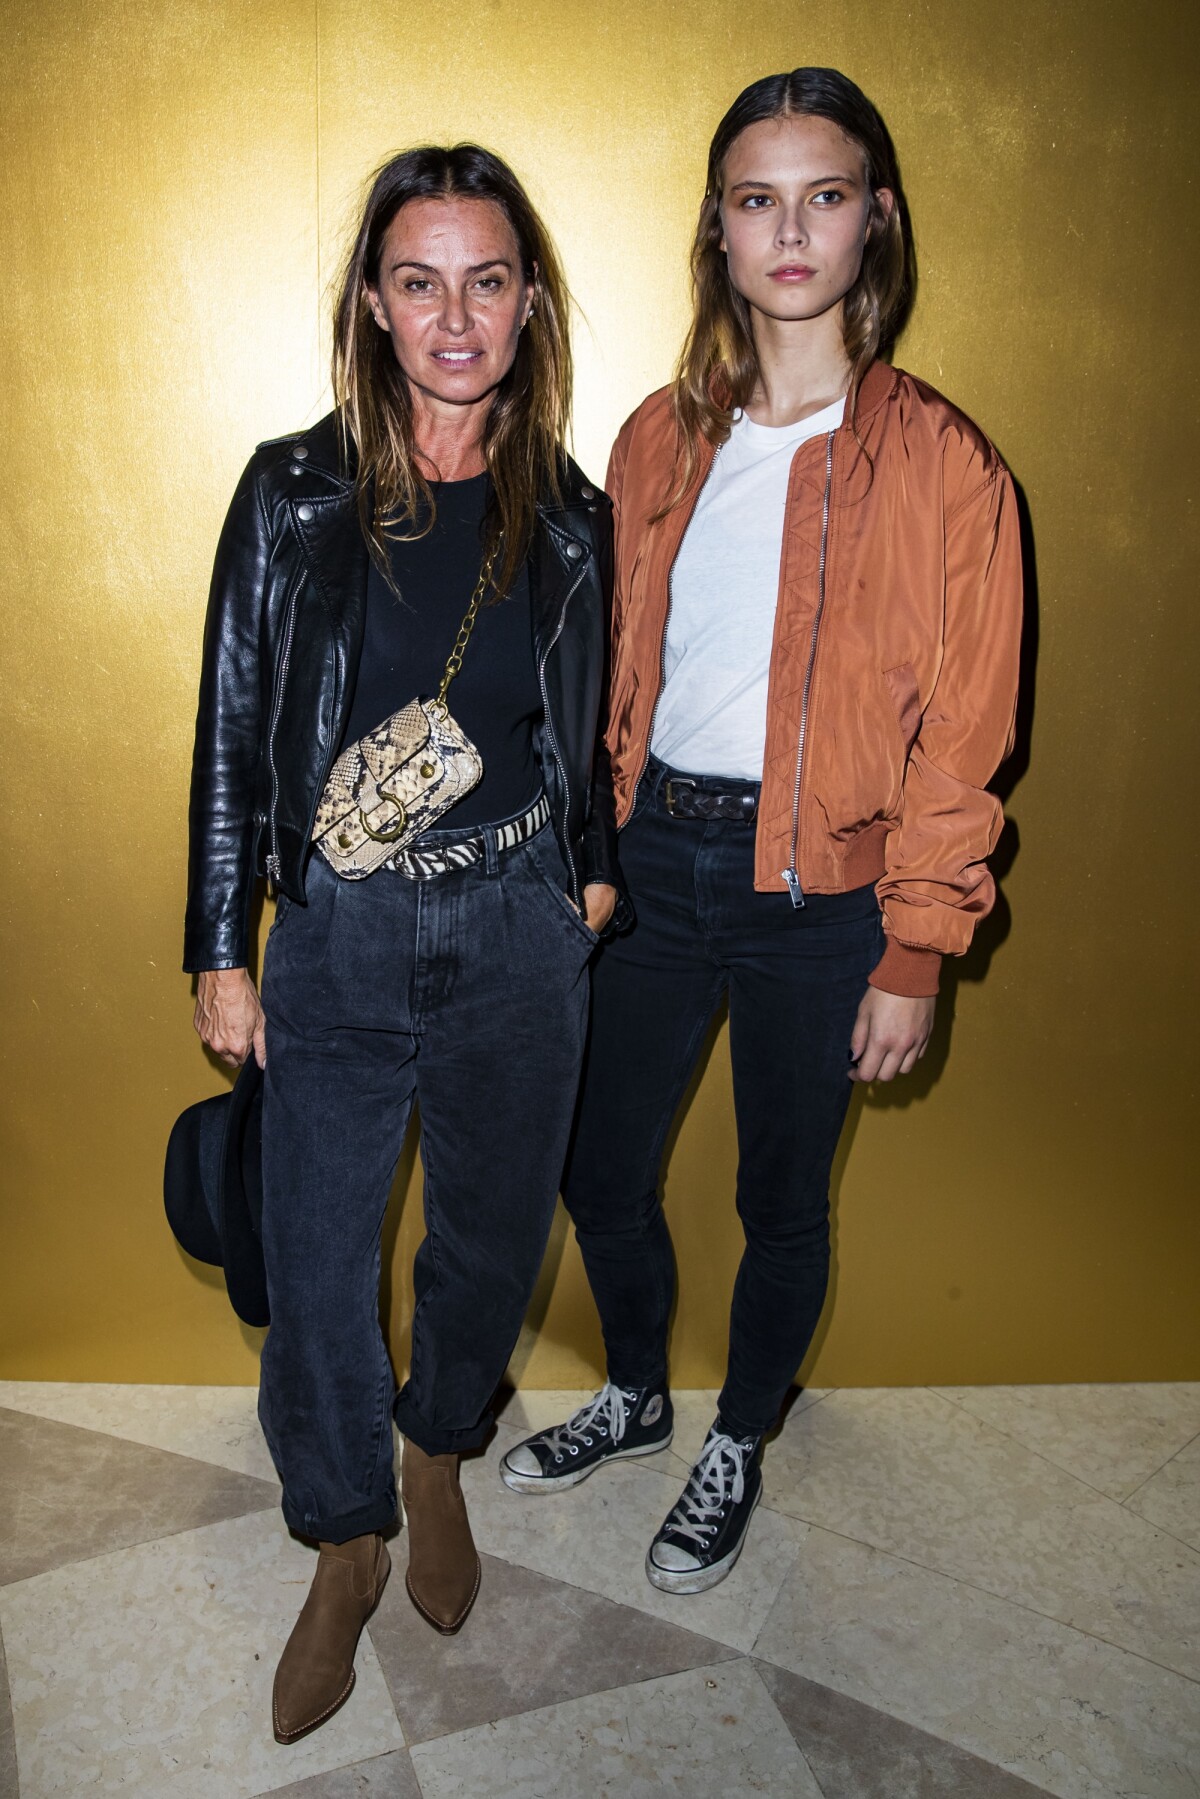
<point x="817" y="609"/>
<point x="432" y="527"/>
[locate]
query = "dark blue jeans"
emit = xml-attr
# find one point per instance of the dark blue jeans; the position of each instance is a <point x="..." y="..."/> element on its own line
<point x="467" y="993"/>
<point x="794" y="979"/>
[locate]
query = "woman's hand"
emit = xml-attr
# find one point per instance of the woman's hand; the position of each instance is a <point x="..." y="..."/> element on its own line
<point x="890" y="1035"/>
<point x="599" y="904"/>
<point x="229" y="1018"/>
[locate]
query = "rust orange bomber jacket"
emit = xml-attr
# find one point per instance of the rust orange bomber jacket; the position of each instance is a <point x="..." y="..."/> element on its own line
<point x="893" y="678"/>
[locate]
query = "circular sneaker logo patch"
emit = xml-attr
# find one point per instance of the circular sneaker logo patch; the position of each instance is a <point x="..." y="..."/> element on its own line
<point x="653" y="1411"/>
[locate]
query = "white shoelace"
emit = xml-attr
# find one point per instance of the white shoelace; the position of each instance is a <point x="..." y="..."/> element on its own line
<point x="609" y="1409"/>
<point x="708" y="1488"/>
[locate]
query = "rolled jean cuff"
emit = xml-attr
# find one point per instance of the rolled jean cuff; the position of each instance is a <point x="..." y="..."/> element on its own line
<point x="432" y="1440"/>
<point x="379" y="1514"/>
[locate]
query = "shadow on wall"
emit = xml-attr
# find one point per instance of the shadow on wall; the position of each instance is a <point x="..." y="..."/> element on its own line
<point x="956" y="970"/>
<point x="991" y="933"/>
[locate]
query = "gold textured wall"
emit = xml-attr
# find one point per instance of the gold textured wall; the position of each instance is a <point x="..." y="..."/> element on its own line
<point x="175" y="177"/>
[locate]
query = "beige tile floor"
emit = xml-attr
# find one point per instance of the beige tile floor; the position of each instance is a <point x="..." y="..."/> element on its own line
<point x="962" y="1593"/>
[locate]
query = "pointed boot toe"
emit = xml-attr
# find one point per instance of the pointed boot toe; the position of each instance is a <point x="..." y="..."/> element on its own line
<point x="443" y="1564"/>
<point x="315" y="1676"/>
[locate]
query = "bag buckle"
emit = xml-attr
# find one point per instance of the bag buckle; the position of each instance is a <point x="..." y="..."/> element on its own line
<point x="390" y="832"/>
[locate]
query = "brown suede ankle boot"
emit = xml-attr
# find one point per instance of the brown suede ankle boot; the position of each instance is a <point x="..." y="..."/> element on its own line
<point x="316" y="1670"/>
<point x="443" y="1566"/>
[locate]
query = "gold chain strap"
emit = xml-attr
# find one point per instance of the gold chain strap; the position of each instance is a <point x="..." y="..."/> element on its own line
<point x="465" y="629"/>
<point x="399" y="823"/>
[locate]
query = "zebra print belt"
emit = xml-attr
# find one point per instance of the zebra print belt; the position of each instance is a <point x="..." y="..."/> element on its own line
<point x="422" y="861"/>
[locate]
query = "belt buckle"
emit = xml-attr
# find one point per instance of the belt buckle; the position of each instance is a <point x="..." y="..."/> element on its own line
<point x="676" y="790"/>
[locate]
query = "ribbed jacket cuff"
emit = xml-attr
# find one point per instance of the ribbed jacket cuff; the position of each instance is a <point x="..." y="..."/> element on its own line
<point x="912" y="973"/>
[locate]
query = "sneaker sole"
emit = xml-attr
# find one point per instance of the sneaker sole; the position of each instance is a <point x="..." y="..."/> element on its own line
<point x="558" y="1483"/>
<point x="698" y="1580"/>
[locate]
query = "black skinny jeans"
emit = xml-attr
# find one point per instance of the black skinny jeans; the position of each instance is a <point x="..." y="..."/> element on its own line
<point x="467" y="993"/>
<point x="795" y="979"/>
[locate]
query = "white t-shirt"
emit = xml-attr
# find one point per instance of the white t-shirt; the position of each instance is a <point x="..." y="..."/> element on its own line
<point x="712" y="712"/>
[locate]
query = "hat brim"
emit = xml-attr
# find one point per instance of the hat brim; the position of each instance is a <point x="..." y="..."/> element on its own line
<point x="238" y="1220"/>
<point x="190" y="1181"/>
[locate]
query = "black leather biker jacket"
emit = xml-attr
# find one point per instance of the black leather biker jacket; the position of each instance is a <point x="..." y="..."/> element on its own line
<point x="281" y="647"/>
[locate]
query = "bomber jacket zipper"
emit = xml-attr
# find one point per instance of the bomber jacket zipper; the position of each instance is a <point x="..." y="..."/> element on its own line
<point x="289" y="631"/>
<point x="789" y="874"/>
<point x="545" y="656"/>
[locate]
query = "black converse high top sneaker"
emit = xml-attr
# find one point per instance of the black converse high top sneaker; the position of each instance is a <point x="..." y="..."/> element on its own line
<point x="618" y="1422"/>
<point x="702" y="1538"/>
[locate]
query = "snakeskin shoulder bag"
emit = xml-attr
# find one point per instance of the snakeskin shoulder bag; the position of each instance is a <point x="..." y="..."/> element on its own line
<point x="395" y="782"/>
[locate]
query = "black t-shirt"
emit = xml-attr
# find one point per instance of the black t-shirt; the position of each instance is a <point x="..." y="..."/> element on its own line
<point x="496" y="696"/>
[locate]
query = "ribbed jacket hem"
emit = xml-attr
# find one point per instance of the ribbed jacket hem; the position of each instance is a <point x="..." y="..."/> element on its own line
<point x="912" y="973"/>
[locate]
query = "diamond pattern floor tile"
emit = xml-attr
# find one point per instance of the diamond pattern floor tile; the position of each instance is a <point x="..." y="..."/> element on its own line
<point x="146" y="1673"/>
<point x="383" y="1777"/>
<point x="151" y="1585"/>
<point x="530" y="1642"/>
<point x="708" y="1734"/>
<point x="915" y="1475"/>
<point x="1171" y="1498"/>
<point x="857" y="1752"/>
<point x="67" y="1494"/>
<point x="8" y="1746"/>
<point x="211" y="1424"/>
<point x="1078" y="1717"/>
<point x="1113" y="1437"/>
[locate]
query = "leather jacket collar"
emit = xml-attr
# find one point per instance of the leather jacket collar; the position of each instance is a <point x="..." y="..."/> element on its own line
<point x="324" y="516"/>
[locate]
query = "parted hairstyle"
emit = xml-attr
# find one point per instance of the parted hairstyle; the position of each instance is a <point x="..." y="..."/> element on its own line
<point x="718" y="366"/>
<point x="527" y="426"/>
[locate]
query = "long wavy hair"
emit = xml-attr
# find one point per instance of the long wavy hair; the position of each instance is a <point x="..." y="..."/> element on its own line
<point x="527" y="427"/>
<point x="718" y="366"/>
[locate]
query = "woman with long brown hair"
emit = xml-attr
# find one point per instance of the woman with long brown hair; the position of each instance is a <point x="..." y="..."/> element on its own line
<point x="817" y="607"/>
<point x="398" y="715"/>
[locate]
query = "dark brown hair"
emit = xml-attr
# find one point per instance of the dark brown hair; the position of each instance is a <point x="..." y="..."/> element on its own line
<point x="527" y="427"/>
<point x="718" y="366"/>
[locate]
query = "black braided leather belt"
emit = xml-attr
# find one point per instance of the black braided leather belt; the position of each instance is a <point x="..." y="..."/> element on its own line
<point x="708" y="797"/>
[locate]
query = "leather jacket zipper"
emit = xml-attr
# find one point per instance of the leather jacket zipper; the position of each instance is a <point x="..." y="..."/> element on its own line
<point x="545" y="656"/>
<point x="662" y="646"/>
<point x="289" y="631"/>
<point x="789" y="874"/>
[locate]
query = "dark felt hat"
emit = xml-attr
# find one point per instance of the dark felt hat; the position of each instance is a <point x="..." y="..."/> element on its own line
<point x="212" y="1188"/>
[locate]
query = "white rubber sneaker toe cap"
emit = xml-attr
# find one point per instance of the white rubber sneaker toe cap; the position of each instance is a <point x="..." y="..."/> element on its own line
<point x="672" y="1559"/>
<point x="522" y="1460"/>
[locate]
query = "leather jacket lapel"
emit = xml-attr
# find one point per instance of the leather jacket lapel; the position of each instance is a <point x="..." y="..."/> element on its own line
<point x="335" y="552"/>
<point x="336" y="559"/>
<point x="558" y="559"/>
